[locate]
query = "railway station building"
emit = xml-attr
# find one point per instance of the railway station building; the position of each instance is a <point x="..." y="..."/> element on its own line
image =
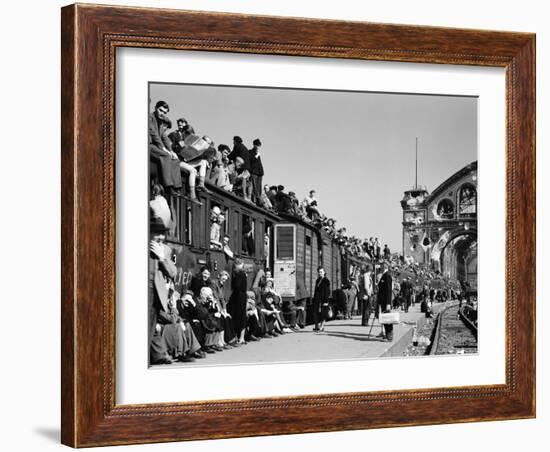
<point x="440" y="228"/>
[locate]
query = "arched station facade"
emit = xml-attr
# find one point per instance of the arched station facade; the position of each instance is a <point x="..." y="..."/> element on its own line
<point x="440" y="228"/>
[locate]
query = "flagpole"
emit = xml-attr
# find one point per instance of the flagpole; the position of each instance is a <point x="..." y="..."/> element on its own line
<point x="416" y="166"/>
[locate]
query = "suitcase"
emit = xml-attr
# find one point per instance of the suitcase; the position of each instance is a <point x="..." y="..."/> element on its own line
<point x="389" y="318"/>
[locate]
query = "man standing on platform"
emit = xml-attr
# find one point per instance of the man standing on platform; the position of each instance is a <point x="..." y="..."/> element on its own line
<point x="384" y="299"/>
<point x="367" y="295"/>
<point x="406" y="292"/>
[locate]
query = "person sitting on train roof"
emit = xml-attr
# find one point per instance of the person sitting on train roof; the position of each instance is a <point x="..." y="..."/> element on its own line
<point x="271" y="195"/>
<point x="219" y="174"/>
<point x="294" y="205"/>
<point x="256" y="171"/>
<point x="160" y="149"/>
<point x="239" y="178"/>
<point x="240" y="151"/>
<point x="310" y="205"/>
<point x="282" y="200"/>
<point x="178" y="136"/>
<point x="192" y="159"/>
<point x="265" y="202"/>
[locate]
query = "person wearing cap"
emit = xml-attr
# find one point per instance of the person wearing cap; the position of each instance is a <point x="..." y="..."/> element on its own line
<point x="160" y="148"/>
<point x="161" y="271"/>
<point x="256" y="171"/>
<point x="237" y="300"/>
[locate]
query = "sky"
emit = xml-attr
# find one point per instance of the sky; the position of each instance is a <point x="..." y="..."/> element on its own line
<point x="356" y="149"/>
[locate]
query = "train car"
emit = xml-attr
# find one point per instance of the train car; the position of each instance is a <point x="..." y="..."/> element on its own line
<point x="290" y="247"/>
<point x="191" y="244"/>
<point x="300" y="249"/>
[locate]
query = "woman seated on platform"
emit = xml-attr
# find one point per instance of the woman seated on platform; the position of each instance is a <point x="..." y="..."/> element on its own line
<point x="173" y="338"/>
<point x="286" y="317"/>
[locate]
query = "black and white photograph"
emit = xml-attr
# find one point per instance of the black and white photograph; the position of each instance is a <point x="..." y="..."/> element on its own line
<point x="294" y="225"/>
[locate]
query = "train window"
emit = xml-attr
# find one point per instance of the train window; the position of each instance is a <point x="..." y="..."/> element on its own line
<point x="188" y="225"/>
<point x="217" y="222"/>
<point x="248" y="243"/>
<point x="285" y="243"/>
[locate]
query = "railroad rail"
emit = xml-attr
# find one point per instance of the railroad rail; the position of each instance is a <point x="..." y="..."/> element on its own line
<point x="454" y="333"/>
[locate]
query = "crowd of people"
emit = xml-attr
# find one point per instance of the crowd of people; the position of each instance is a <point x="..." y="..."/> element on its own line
<point x="238" y="170"/>
<point x="188" y="326"/>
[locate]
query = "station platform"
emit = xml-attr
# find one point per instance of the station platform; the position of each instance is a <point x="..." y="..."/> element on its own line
<point x="341" y="339"/>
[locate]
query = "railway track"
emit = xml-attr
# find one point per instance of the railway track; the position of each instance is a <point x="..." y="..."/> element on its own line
<point x="454" y="333"/>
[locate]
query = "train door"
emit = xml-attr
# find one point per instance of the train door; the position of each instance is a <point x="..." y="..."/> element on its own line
<point x="284" y="262"/>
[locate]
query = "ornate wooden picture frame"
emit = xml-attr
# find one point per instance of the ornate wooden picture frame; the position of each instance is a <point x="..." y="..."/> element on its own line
<point x="90" y="37"/>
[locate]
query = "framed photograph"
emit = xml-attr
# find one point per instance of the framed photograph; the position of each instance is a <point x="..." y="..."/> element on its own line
<point x="281" y="225"/>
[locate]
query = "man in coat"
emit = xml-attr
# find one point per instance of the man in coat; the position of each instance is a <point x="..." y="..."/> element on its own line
<point x="320" y="300"/>
<point x="160" y="148"/>
<point x="384" y="300"/>
<point x="406" y="292"/>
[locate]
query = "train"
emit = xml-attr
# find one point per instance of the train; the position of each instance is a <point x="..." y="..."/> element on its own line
<point x="291" y="248"/>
